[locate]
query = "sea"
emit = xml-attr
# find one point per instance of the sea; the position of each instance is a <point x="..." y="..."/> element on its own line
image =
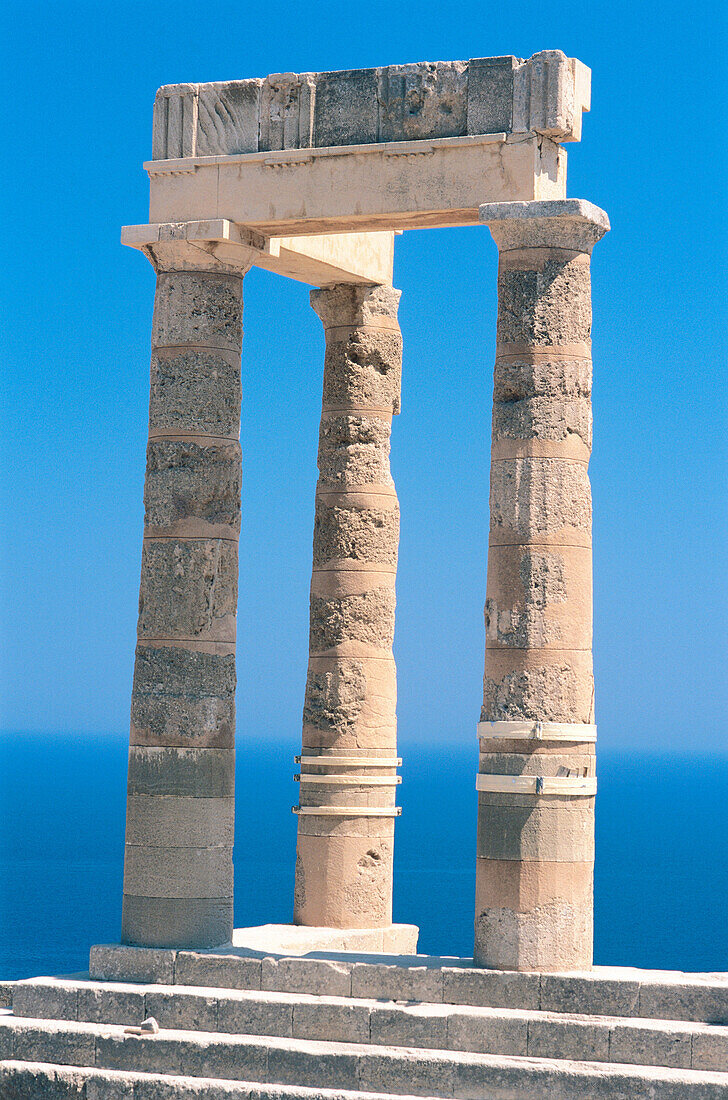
<point x="661" y="877"/>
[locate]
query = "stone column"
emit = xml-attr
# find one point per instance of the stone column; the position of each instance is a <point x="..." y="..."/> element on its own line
<point x="348" y="763"/>
<point x="178" y="873"/>
<point x="537" y="764"/>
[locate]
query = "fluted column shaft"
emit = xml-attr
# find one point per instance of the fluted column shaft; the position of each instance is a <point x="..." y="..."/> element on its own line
<point x="536" y="847"/>
<point x="178" y="875"/>
<point x="345" y="851"/>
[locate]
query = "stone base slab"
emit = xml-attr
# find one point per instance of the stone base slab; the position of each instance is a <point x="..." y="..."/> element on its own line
<point x="292" y="939"/>
<point x="120" y="962"/>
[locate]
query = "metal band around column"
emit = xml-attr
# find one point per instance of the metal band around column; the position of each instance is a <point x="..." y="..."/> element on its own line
<point x="582" y="786"/>
<point x="537" y="731"/>
<point x="350" y="761"/>
<point x="348" y="811"/>
<point x="351" y="780"/>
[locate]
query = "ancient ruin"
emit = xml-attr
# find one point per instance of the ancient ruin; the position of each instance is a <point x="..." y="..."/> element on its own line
<point x="311" y="176"/>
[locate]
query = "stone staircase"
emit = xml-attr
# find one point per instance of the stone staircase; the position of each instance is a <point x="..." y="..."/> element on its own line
<point x="354" y="1027"/>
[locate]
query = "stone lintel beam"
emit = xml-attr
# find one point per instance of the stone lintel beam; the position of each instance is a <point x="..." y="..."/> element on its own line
<point x="535" y="843"/>
<point x="429" y="183"/>
<point x="320" y="260"/>
<point x="544" y="95"/>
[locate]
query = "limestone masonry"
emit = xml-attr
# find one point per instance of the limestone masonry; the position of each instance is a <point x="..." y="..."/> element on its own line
<point x="311" y="176"/>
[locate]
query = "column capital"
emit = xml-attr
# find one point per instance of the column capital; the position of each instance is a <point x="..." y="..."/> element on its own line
<point x="573" y="224"/>
<point x="348" y="305"/>
<point x="217" y="246"/>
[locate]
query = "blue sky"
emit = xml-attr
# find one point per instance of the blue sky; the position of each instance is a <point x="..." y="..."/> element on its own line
<point x="80" y="80"/>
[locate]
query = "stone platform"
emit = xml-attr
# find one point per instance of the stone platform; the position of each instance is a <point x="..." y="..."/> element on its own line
<point x="337" y="1025"/>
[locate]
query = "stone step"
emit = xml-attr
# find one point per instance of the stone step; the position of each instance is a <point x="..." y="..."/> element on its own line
<point x="502" y="1031"/>
<point x="603" y="991"/>
<point x="33" y="1080"/>
<point x="368" y="1069"/>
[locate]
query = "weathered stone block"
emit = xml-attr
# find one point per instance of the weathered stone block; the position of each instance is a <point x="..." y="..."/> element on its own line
<point x="595" y="995"/>
<point x="350" y="703"/>
<point x="176" y="922"/>
<point x="519" y="762"/>
<point x="549" y="305"/>
<point x="421" y="1026"/>
<point x="31" y="1080"/>
<point x="661" y="1044"/>
<point x="545" y="685"/>
<point x="539" y="598"/>
<point x="226" y="971"/>
<point x="186" y="481"/>
<point x="182" y="722"/>
<point x="354" y="450"/>
<point x="179" y="822"/>
<point x="170" y="671"/>
<point x="111" y="1005"/>
<point x="348" y="305"/>
<point x="48" y="1041"/>
<point x="228" y="118"/>
<point x="533" y="915"/>
<point x="572" y="224"/>
<point x="710" y="1050"/>
<point x="318" y="1065"/>
<point x="114" y="1050"/>
<point x="174" y="872"/>
<point x="409" y="1073"/>
<point x="191" y="1012"/>
<point x="188" y="589"/>
<point x="247" y="1015"/>
<point x="287" y="111"/>
<point x="536" y="498"/>
<point x="361" y="534"/>
<point x="397" y="983"/>
<point x="108" y="1085"/>
<point x="485" y="1032"/>
<point x="201" y="308"/>
<point x="343" y="882"/>
<point x="550" y="92"/>
<point x="175" y="121"/>
<point x="490" y="94"/>
<point x="342" y="1022"/>
<point x="363" y="369"/>
<point x="573" y="1039"/>
<point x="44" y="998"/>
<point x="183" y="698"/>
<point x="490" y="988"/>
<point x="367" y="618"/>
<point x="520" y="378"/>
<point x="543" y="418"/>
<point x="423" y="100"/>
<point x="561" y="832"/>
<point x="320" y="977"/>
<point x="685" y="1000"/>
<point x="346" y="111"/>
<point x="119" y="963"/>
<point x="193" y="773"/>
<point x="195" y="390"/>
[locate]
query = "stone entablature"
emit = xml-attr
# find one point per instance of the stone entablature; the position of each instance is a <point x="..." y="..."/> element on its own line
<point x="422" y="101"/>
